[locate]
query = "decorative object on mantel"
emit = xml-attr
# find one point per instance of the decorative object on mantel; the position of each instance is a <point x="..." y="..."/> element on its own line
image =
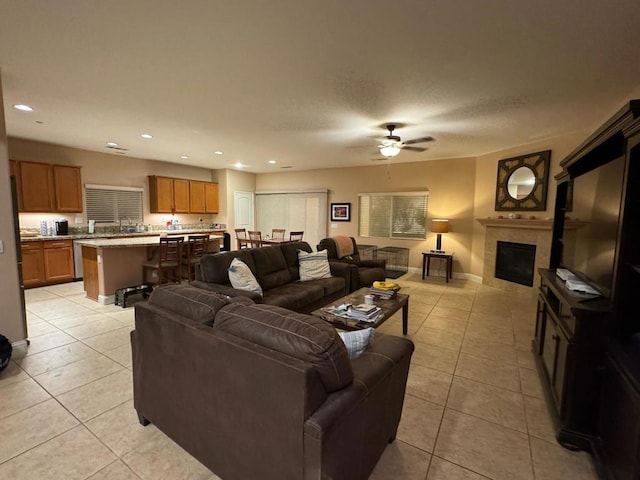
<point x="522" y="182"/>
<point x="537" y="223"/>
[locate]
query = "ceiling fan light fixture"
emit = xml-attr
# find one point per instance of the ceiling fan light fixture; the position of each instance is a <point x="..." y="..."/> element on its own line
<point x="389" y="150"/>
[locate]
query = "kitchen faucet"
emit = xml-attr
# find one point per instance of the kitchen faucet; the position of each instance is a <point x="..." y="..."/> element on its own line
<point x="128" y="218"/>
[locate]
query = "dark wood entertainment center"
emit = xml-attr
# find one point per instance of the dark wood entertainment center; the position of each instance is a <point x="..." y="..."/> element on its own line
<point x="588" y="348"/>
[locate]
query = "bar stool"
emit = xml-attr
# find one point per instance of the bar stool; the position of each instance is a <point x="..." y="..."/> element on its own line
<point x="197" y="246"/>
<point x="168" y="264"/>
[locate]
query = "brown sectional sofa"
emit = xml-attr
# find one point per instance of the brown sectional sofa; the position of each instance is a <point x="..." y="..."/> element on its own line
<point x="255" y="391"/>
<point x="276" y="270"/>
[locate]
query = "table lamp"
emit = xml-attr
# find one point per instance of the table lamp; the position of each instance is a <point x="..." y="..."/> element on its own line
<point x="439" y="226"/>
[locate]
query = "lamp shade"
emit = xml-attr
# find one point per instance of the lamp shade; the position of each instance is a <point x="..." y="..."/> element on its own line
<point x="389" y="150"/>
<point x="439" y="225"/>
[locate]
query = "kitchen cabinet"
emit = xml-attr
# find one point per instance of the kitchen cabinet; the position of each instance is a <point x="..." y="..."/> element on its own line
<point x="177" y="195"/>
<point x="48" y="188"/>
<point x="168" y="195"/>
<point x="67" y="188"/>
<point x="47" y="262"/>
<point x="211" y="202"/>
<point x="203" y="197"/>
<point x="181" y="195"/>
<point x="32" y="264"/>
<point x="196" y="197"/>
<point x="14" y="172"/>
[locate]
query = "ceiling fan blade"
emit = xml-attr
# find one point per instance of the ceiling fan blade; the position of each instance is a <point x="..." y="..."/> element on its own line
<point x="415" y="149"/>
<point x="379" y="159"/>
<point x="419" y="140"/>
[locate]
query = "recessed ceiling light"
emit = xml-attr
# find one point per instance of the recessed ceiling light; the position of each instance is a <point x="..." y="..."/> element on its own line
<point x="146" y="135"/>
<point x="183" y="157"/>
<point x="23" y="108"/>
<point x="217" y="152"/>
<point x="238" y="165"/>
<point x="112" y="144"/>
<point x="273" y="162"/>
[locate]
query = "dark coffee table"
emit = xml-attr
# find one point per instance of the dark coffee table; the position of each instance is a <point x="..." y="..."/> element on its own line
<point x="388" y="307"/>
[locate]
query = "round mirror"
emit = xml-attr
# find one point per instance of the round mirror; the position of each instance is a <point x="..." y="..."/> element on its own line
<point x="521" y="182"/>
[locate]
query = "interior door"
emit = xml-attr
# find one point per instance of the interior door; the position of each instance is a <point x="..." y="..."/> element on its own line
<point x="243" y="210"/>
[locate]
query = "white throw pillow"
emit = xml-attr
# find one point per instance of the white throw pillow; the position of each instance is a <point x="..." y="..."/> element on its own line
<point x="242" y="278"/>
<point x="313" y="265"/>
<point x="357" y="341"/>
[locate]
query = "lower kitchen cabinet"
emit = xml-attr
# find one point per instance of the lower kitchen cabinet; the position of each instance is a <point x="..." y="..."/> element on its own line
<point x="47" y="262"/>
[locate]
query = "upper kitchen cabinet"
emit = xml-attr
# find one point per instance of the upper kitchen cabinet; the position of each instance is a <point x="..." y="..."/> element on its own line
<point x="14" y="172"/>
<point x="203" y="197"/>
<point x="211" y="204"/>
<point x="67" y="189"/>
<point x="168" y="195"/>
<point x="48" y="188"/>
<point x="177" y="195"/>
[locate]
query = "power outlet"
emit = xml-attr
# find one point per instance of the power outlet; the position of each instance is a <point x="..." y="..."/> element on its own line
<point x="334" y="226"/>
<point x="78" y="220"/>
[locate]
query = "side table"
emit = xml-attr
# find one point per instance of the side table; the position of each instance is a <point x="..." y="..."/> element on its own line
<point x="426" y="260"/>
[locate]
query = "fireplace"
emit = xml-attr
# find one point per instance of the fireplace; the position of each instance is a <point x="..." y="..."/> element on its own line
<point x="515" y="262"/>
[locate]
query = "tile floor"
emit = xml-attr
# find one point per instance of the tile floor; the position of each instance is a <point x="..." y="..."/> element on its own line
<point x="474" y="407"/>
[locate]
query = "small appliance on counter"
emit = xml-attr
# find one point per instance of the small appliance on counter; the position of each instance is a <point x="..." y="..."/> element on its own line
<point x="62" y="227"/>
<point x="92" y="226"/>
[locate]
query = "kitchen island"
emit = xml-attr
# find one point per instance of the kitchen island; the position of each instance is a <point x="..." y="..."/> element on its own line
<point x="110" y="264"/>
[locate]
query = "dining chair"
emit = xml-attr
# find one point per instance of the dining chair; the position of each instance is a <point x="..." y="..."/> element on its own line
<point x="197" y="246"/>
<point x="277" y="233"/>
<point x="167" y="263"/>
<point x="296" y="236"/>
<point x="255" y="238"/>
<point x="241" y="238"/>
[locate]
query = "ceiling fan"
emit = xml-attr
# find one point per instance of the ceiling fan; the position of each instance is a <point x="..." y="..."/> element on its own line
<point x="392" y="144"/>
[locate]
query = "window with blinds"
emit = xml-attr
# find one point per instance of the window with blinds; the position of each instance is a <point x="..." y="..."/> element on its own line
<point x="106" y="204"/>
<point x="393" y="215"/>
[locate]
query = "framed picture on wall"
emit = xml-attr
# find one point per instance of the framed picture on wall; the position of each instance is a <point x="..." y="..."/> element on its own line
<point x="340" y="212"/>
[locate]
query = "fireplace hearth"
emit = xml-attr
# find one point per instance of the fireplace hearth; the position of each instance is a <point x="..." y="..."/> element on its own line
<point x="515" y="262"/>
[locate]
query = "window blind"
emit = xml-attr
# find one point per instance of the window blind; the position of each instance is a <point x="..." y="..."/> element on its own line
<point x="393" y="215"/>
<point x="107" y="204"/>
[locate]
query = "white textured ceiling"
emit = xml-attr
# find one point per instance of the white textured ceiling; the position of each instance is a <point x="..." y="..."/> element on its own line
<point x="308" y="83"/>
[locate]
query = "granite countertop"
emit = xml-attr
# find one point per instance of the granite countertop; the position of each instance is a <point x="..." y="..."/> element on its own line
<point x="128" y="241"/>
<point x="89" y="236"/>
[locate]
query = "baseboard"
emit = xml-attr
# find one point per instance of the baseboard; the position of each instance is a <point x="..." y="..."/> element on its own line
<point x="20" y="343"/>
<point x="106" y="299"/>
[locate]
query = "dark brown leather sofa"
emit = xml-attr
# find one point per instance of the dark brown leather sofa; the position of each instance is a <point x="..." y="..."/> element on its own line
<point x="255" y="391"/>
<point x="364" y="273"/>
<point x="276" y="270"/>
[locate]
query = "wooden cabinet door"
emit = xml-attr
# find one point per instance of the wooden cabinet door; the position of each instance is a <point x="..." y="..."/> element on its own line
<point x="36" y="187"/>
<point x="196" y="196"/>
<point x="211" y="202"/>
<point x="180" y="195"/>
<point x="58" y="261"/>
<point x="67" y="188"/>
<point x="32" y="264"/>
<point x="160" y="194"/>
<point x="14" y="171"/>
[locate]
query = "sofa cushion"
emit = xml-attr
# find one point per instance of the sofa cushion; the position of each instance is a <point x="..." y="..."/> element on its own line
<point x="357" y="341"/>
<point x="313" y="266"/>
<point x="294" y="296"/>
<point x="329" y="285"/>
<point x="213" y="268"/>
<point x="290" y="251"/>
<point x="242" y="278"/>
<point x="194" y="303"/>
<point x="300" y="336"/>
<point x="271" y="267"/>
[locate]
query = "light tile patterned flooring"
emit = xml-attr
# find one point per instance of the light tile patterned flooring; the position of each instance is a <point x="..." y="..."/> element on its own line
<point x="474" y="407"/>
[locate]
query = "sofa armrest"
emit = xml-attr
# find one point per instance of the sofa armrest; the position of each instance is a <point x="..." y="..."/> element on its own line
<point x="344" y="270"/>
<point x="337" y="405"/>
<point x="227" y="290"/>
<point x="372" y="263"/>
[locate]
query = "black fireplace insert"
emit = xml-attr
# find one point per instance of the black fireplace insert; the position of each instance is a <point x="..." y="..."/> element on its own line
<point x="515" y="262"/>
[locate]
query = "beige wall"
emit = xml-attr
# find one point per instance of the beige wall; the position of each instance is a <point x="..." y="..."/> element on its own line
<point x="450" y="184"/>
<point x="108" y="169"/>
<point x="11" y="318"/>
<point x="485" y="186"/>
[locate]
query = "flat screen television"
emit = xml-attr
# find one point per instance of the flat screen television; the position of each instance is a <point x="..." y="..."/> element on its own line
<point x="589" y="251"/>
